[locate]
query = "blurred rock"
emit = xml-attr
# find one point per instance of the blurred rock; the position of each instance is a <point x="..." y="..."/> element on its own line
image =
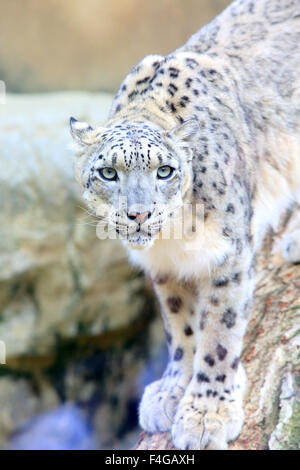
<point x="19" y="401"/>
<point x="90" y="45"/>
<point x="64" y="428"/>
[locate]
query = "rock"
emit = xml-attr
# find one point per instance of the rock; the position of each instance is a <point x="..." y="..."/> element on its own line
<point x="64" y="428"/>
<point x="19" y="402"/>
<point x="286" y="435"/>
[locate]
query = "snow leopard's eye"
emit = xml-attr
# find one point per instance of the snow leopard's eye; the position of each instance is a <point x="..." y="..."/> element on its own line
<point x="108" y="174"/>
<point x="165" y="172"/>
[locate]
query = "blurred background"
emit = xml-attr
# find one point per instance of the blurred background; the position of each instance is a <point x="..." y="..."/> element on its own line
<point x="80" y="327"/>
<point x="90" y="45"/>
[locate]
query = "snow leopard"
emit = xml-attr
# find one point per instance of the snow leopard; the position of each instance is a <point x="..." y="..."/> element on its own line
<point x="207" y="137"/>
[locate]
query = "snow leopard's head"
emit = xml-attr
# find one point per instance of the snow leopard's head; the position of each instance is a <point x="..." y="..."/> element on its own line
<point x="135" y="175"/>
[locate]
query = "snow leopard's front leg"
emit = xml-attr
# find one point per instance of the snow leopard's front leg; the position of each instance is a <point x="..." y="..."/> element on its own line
<point x="211" y="411"/>
<point x="160" y="399"/>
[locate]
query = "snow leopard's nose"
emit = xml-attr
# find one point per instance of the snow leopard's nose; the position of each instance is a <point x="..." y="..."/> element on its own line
<point x="139" y="217"/>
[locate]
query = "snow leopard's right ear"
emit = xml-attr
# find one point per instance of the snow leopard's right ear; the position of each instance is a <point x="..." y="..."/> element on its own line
<point x="187" y="132"/>
<point x="84" y="134"/>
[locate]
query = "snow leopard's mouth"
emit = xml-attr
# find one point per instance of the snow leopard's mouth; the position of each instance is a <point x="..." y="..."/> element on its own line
<point x="139" y="236"/>
<point x="139" y="243"/>
<point x="137" y="232"/>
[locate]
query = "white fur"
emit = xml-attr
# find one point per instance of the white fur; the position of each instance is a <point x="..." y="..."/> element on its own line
<point x="183" y="259"/>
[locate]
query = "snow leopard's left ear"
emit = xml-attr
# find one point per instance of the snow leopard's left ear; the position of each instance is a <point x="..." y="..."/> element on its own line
<point x="83" y="133"/>
<point x="188" y="131"/>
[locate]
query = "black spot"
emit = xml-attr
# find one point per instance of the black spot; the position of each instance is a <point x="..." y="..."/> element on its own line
<point x="143" y="80"/>
<point x="132" y="95"/>
<point x="178" y="354"/>
<point x="239" y="246"/>
<point x="221" y="352"/>
<point x="156" y="64"/>
<point x="229" y="317"/>
<point x="209" y="392"/>
<point x="172" y="89"/>
<point x="174" y="303"/>
<point x="201" y="377"/>
<point x="203" y="318"/>
<point x="214" y="300"/>
<point x="221" y="378"/>
<point x="88" y="184"/>
<point x="230" y="208"/>
<point x="236" y="277"/>
<point x="191" y="63"/>
<point x="168" y="337"/>
<point x="221" y="282"/>
<point x="173" y="72"/>
<point x="210" y="360"/>
<point x="188" y="330"/>
<point x="226" y="231"/>
<point x="235" y="363"/>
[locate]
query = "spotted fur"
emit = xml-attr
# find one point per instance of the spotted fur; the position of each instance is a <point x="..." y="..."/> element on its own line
<point x="224" y="112"/>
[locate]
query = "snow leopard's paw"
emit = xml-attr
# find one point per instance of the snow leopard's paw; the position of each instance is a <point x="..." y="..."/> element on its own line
<point x="206" y="423"/>
<point x="159" y="404"/>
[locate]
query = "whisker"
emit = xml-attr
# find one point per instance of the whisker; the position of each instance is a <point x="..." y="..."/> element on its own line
<point x="85" y="223"/>
<point x="91" y="214"/>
